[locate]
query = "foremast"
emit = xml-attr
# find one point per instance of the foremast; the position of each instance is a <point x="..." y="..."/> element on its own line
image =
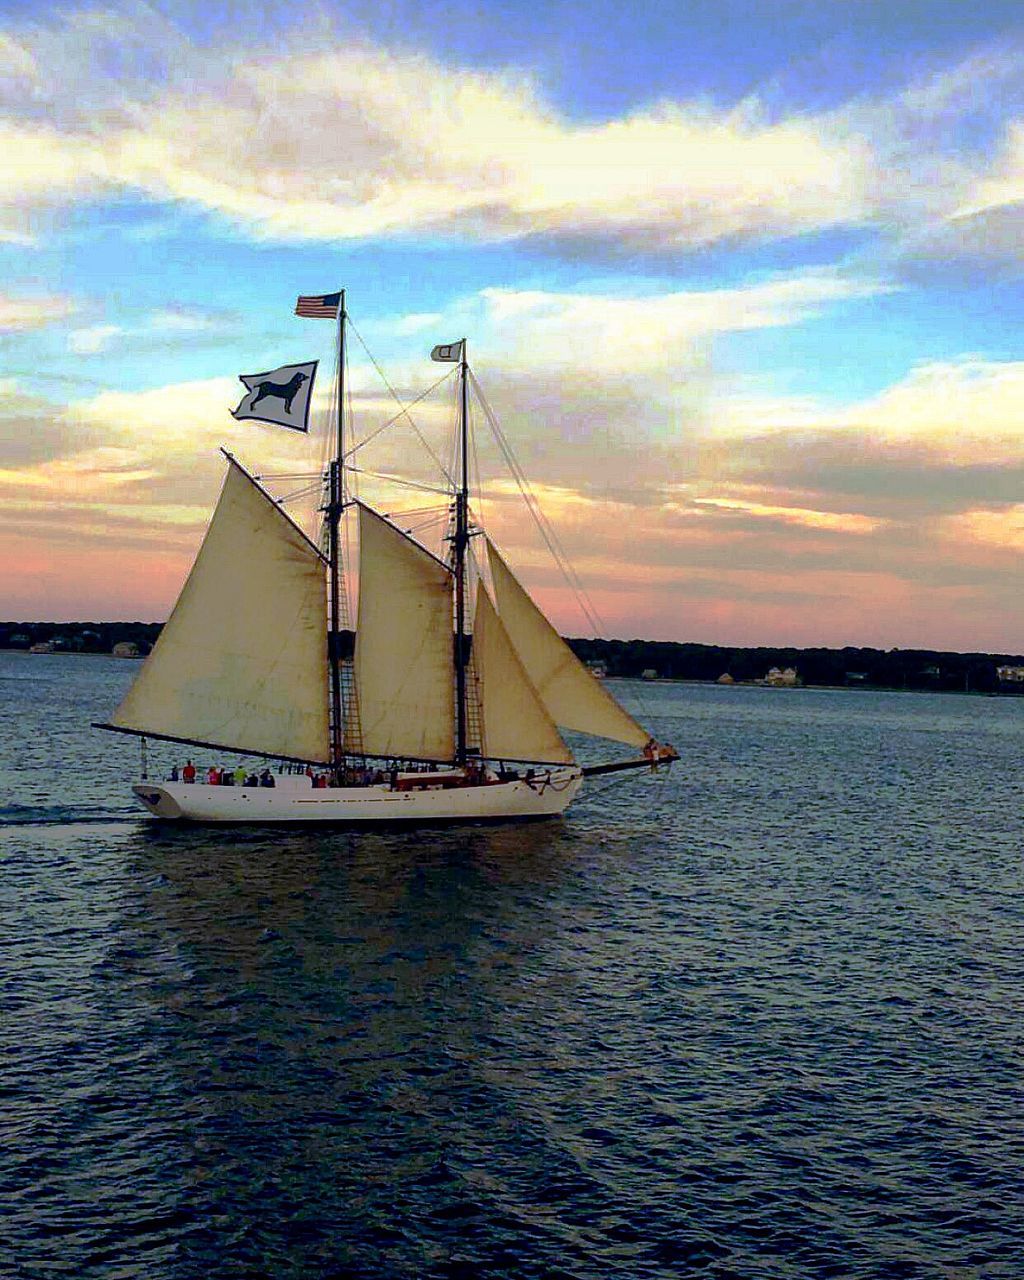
<point x="346" y="735"/>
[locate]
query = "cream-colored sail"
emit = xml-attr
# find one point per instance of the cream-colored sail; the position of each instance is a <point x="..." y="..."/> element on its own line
<point x="242" y="661"/>
<point x="573" y="697"/>
<point x="404" y="646"/>
<point x="516" y="724"/>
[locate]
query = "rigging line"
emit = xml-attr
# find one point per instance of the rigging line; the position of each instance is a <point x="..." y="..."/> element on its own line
<point x="330" y="415"/>
<point x="420" y="531"/>
<point x="616" y="781"/>
<point x="428" y="514"/>
<point x="546" y="530"/>
<point x="427" y="506"/>
<point x="552" y="540"/>
<point x="392" y="479"/>
<point x="394" y="418"/>
<point x="348" y="392"/>
<point x="549" y="535"/>
<point x="404" y="521"/>
<point x="305" y="492"/>
<point x="455" y="411"/>
<point x="554" y="544"/>
<point x="327" y="421"/>
<point x="346" y="530"/>
<point x="403" y="409"/>
<point x="476" y="473"/>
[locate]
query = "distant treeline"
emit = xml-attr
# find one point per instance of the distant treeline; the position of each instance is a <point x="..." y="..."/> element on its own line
<point x="856" y="668"/>
<point x="79" y="637"/>
<point x="666" y="660"/>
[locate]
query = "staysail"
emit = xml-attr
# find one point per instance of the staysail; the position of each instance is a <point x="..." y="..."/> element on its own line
<point x="572" y="696"/>
<point x="242" y="660"/>
<point x="516" y="724"/>
<point x="404" y="638"/>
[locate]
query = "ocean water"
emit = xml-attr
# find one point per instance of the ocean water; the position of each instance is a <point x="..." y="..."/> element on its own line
<point x="762" y="1018"/>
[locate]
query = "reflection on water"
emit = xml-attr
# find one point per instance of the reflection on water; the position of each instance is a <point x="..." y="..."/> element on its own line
<point x="762" y="1019"/>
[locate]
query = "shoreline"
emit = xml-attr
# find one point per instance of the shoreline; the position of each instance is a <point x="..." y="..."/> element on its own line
<point x="72" y="653"/>
<point x="661" y="680"/>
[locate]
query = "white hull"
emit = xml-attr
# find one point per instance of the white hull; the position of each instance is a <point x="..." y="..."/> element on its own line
<point x="294" y="799"/>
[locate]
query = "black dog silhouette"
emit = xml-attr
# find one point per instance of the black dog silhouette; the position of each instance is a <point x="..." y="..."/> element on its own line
<point x="286" y="391"/>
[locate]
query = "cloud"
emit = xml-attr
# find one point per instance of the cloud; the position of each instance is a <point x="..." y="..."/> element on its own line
<point x="963" y="411"/>
<point x="20" y="313"/>
<point x="1003" y="187"/>
<point x="178" y="318"/>
<point x="621" y="333"/>
<point x="93" y="340"/>
<point x="935" y="461"/>
<point x="833" y="521"/>
<point x="716" y="512"/>
<point x="325" y="136"/>
<point x="354" y="141"/>
<point x="173" y="325"/>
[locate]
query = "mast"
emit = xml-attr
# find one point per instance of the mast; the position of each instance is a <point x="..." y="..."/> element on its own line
<point x="335" y="506"/>
<point x="461" y="544"/>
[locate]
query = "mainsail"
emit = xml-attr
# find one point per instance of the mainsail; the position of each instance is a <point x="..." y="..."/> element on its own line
<point x="516" y="724"/>
<point x="242" y="660"/>
<point x="403" y="658"/>
<point x="572" y="696"/>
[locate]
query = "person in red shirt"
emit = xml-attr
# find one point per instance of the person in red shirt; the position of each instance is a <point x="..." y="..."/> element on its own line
<point x="188" y="774"/>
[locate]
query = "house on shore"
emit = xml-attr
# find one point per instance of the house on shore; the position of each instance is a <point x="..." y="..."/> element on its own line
<point x="782" y="678"/>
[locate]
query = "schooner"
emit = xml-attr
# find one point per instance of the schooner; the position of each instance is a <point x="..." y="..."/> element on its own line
<point x="413" y="715"/>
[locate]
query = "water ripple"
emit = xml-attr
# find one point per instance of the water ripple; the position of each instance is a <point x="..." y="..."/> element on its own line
<point x="760" y="1021"/>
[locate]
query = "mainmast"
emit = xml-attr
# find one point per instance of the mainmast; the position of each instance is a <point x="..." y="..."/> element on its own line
<point x="335" y="507"/>
<point x="461" y="545"/>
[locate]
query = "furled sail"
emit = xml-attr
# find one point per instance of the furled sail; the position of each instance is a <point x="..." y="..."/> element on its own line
<point x="242" y="660"/>
<point x="573" y="697"/>
<point x="404" y="645"/>
<point x="516" y="724"/>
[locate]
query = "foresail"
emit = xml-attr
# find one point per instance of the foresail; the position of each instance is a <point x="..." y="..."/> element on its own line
<point x="516" y="724"/>
<point x="573" y="697"/>
<point x="242" y="660"/>
<point x="404" y="645"/>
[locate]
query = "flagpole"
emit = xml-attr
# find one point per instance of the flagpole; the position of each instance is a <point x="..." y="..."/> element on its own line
<point x="461" y="544"/>
<point x="334" y="514"/>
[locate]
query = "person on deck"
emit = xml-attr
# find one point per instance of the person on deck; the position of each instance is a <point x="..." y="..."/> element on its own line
<point x="240" y="776"/>
<point x="213" y="776"/>
<point x="188" y="774"/>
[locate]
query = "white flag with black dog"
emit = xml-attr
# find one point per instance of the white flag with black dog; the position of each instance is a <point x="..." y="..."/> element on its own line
<point x="281" y="396"/>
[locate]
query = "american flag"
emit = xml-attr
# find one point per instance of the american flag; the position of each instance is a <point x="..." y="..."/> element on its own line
<point x="323" y="308"/>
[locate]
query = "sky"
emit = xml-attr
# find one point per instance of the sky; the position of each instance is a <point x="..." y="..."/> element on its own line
<point x="741" y="281"/>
